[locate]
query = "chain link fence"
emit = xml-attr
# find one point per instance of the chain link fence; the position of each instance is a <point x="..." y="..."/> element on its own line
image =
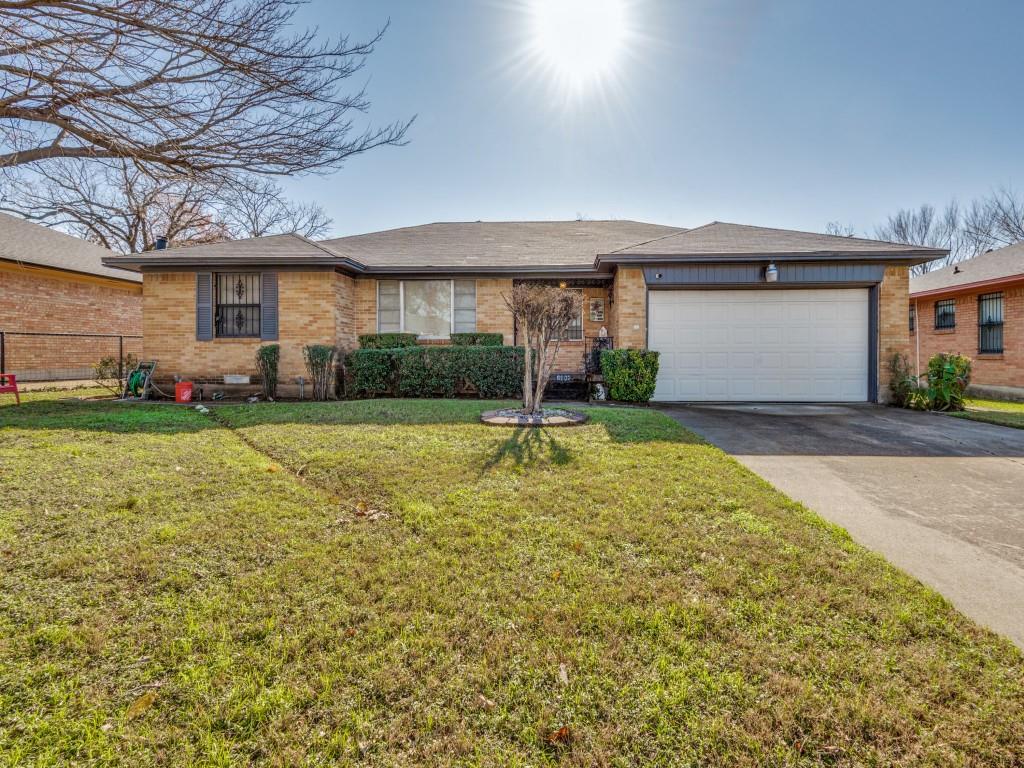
<point x="65" y="356"/>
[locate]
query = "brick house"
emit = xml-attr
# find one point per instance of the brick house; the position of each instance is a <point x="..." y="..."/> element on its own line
<point x="52" y="283"/>
<point x="737" y="312"/>
<point x="974" y="308"/>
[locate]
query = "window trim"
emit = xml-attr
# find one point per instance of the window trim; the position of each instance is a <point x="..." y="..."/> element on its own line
<point x="951" y="303"/>
<point x="983" y="326"/>
<point x="257" y="305"/>
<point x="451" y="306"/>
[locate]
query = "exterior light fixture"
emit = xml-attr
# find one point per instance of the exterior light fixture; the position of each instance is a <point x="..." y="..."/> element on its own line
<point x="562" y="284"/>
<point x="771" y="273"/>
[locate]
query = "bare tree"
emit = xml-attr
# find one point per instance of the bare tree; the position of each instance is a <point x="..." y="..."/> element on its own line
<point x="254" y="207"/>
<point x="115" y="204"/>
<point x="996" y="220"/>
<point x="543" y="313"/>
<point x="196" y="86"/>
<point x="924" y="226"/>
<point x="838" y="229"/>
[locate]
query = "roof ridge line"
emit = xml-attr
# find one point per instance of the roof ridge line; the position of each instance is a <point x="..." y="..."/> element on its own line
<point x="681" y="231"/>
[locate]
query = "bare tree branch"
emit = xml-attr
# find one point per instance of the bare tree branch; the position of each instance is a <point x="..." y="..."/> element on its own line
<point x="115" y="204"/>
<point x="194" y="86"/>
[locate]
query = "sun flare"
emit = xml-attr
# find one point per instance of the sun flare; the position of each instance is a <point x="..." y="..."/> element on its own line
<point x="578" y="41"/>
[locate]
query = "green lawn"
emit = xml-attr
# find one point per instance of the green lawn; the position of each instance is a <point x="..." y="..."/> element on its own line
<point x="994" y="412"/>
<point x="392" y="583"/>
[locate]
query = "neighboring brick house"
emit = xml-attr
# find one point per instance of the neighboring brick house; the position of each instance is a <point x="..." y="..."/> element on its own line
<point x="52" y="283"/>
<point x="737" y="312"/>
<point x="974" y="308"/>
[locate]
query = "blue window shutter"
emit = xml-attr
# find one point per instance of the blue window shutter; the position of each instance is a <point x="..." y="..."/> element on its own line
<point x="268" y="306"/>
<point x="204" y="306"/>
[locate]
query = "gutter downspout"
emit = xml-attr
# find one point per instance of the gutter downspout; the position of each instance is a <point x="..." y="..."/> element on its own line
<point x="917" y="342"/>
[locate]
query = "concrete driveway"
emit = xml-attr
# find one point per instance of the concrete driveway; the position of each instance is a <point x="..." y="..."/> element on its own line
<point x="940" y="497"/>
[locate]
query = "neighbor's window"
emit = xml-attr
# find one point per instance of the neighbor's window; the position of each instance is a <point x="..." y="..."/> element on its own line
<point x="945" y="313"/>
<point x="912" y="318"/>
<point x="237" y="304"/>
<point x="433" y="309"/>
<point x="990" y="323"/>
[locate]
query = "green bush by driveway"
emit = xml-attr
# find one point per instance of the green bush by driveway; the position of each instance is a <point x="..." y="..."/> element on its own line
<point x="389" y="582"/>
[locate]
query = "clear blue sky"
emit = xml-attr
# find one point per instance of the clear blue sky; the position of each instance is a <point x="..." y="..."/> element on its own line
<point x="789" y="113"/>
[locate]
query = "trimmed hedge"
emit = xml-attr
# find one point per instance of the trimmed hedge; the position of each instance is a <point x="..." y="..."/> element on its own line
<point x="370" y="372"/>
<point x="493" y="372"/>
<point x="477" y="339"/>
<point x="630" y="374"/>
<point x="387" y="340"/>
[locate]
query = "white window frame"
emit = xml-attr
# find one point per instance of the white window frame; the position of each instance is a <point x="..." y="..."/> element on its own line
<point x="451" y="306"/>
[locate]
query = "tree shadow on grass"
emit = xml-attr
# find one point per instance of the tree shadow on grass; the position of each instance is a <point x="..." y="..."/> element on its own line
<point x="527" y="446"/>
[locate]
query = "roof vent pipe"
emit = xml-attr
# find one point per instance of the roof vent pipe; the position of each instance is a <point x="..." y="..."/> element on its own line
<point x="161" y="243"/>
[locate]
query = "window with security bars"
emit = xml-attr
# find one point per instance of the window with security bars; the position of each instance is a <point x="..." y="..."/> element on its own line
<point x="990" y="323"/>
<point x="237" y="304"/>
<point x="945" y="314"/>
<point x="913" y="318"/>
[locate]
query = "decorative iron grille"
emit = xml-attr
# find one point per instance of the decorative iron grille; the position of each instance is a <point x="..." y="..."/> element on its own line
<point x="945" y="313"/>
<point x="238" y="304"/>
<point x="990" y="323"/>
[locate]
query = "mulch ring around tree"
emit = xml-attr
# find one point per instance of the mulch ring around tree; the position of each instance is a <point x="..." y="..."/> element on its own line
<point x="551" y="417"/>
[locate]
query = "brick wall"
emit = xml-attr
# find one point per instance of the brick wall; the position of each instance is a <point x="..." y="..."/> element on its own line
<point x="492" y="316"/>
<point x="1007" y="369"/>
<point x="366" y="306"/>
<point x="893" y="325"/>
<point x="307" y="316"/>
<point x="41" y="300"/>
<point x="630" y="311"/>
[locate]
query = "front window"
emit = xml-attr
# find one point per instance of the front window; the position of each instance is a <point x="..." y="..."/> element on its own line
<point x="237" y="304"/>
<point x="990" y="323"/>
<point x="432" y="309"/>
<point x="574" y="331"/>
<point x="945" y="314"/>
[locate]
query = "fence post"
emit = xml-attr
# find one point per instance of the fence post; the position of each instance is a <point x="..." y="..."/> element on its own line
<point x="120" y="358"/>
<point x="3" y="352"/>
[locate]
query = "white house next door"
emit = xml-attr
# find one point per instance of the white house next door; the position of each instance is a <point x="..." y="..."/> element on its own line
<point x="788" y="344"/>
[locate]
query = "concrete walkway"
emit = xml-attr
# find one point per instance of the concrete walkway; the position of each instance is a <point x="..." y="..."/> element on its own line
<point x="942" y="498"/>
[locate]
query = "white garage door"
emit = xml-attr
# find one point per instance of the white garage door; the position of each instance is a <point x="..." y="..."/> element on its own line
<point x="774" y="345"/>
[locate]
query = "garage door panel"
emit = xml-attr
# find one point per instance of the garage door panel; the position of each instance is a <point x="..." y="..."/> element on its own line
<point x="799" y="344"/>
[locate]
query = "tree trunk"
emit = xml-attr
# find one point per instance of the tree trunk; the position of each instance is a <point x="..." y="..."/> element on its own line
<point x="527" y="372"/>
<point x="544" y="371"/>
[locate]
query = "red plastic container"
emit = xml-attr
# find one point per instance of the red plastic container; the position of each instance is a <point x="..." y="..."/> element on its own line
<point x="183" y="392"/>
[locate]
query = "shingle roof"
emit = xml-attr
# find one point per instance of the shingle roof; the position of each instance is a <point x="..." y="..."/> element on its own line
<point x="522" y="246"/>
<point x="28" y="243"/>
<point x="1006" y="262"/>
<point x="496" y="243"/>
<point x="720" y="238"/>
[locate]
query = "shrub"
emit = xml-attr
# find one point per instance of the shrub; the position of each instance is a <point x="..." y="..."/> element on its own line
<point x="387" y="340"/>
<point x="433" y="371"/>
<point x="106" y="371"/>
<point x="907" y="391"/>
<point x="948" y="377"/>
<point x="477" y="339"/>
<point x="370" y="372"/>
<point x="320" y="366"/>
<point x="630" y="374"/>
<point x="267" y="358"/>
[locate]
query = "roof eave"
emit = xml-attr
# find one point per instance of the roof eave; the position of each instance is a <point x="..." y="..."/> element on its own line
<point x="129" y="277"/>
<point x="909" y="258"/>
<point x="968" y="287"/>
<point x="184" y="262"/>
